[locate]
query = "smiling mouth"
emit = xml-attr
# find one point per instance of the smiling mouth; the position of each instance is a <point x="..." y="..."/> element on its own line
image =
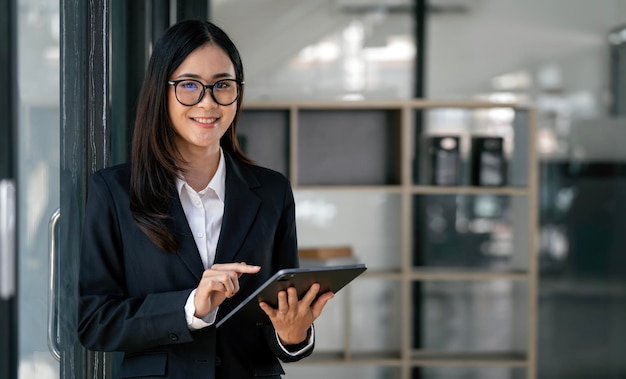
<point x="204" y="120"/>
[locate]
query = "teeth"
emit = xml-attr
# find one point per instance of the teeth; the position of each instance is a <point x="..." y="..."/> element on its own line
<point x="205" y="120"/>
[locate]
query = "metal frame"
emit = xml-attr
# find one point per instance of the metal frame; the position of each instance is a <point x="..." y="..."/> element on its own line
<point x="617" y="46"/>
<point x="8" y="104"/>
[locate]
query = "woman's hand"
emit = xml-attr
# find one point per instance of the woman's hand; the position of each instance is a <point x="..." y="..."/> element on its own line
<point x="218" y="283"/>
<point x="292" y="319"/>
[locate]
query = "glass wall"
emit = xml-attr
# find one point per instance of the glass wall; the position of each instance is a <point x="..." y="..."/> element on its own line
<point x="38" y="178"/>
<point x="320" y="49"/>
<point x="554" y="56"/>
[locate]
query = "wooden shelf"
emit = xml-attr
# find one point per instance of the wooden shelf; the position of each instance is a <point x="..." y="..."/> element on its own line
<point x="447" y="274"/>
<point x="468" y="190"/>
<point x="382" y="274"/>
<point x="419" y="190"/>
<point x="353" y="188"/>
<point x="423" y="359"/>
<point x="432" y="274"/>
<point x="361" y="169"/>
<point x="379" y="104"/>
<point x="374" y="358"/>
<point x="509" y="359"/>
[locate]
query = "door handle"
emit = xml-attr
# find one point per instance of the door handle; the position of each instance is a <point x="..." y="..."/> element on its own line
<point x="53" y="309"/>
<point x="7" y="239"/>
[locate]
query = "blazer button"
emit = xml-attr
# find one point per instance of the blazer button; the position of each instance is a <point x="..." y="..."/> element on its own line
<point x="218" y="360"/>
<point x="172" y="337"/>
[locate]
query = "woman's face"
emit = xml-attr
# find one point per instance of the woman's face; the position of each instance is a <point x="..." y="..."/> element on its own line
<point x="200" y="127"/>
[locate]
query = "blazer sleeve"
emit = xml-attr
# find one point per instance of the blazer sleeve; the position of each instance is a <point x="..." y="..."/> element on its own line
<point x="286" y="256"/>
<point x="109" y="319"/>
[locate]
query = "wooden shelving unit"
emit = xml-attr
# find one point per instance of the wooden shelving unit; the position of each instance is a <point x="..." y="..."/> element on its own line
<point x="348" y="150"/>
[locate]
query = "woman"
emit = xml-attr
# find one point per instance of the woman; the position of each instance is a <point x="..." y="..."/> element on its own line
<point x="166" y="236"/>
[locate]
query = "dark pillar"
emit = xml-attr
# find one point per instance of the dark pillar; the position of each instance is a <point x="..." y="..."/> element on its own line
<point x="419" y="17"/>
<point x="192" y="9"/>
<point x="419" y="22"/>
<point x="8" y="121"/>
<point x="85" y="147"/>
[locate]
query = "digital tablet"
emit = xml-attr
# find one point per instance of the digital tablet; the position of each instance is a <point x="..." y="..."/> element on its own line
<point x="330" y="278"/>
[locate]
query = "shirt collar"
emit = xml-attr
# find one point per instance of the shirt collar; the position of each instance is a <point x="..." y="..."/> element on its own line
<point x="217" y="183"/>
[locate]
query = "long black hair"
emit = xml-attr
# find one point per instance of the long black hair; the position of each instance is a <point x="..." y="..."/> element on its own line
<point x="154" y="154"/>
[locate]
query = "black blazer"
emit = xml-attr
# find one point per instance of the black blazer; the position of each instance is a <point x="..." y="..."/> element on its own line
<point x="132" y="295"/>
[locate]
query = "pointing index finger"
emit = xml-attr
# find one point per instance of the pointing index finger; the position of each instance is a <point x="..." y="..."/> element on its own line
<point x="240" y="268"/>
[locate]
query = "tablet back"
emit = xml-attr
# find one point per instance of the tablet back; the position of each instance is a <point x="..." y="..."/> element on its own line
<point x="330" y="278"/>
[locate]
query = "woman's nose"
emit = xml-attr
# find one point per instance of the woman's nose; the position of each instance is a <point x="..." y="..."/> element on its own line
<point x="207" y="99"/>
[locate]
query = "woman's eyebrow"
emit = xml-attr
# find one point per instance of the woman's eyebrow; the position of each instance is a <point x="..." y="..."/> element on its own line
<point x="220" y="75"/>
<point x="223" y="75"/>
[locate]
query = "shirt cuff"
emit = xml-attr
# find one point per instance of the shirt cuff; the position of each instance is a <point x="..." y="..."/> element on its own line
<point x="301" y="347"/>
<point x="193" y="322"/>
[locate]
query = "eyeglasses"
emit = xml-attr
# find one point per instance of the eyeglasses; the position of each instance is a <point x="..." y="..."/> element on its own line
<point x="190" y="92"/>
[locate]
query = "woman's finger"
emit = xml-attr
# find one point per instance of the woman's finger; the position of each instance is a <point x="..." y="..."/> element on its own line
<point x="235" y="280"/>
<point x="292" y="297"/>
<point x="283" y="305"/>
<point x="240" y="267"/>
<point x="320" y="303"/>
<point x="311" y="294"/>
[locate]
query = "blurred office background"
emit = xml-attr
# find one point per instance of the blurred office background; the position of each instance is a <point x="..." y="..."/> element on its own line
<point x="566" y="58"/>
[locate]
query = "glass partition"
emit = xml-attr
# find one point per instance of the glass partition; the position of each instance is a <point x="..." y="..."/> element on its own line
<point x="39" y="180"/>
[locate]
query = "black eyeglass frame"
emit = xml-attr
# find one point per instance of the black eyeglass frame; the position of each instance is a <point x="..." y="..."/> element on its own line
<point x="204" y="88"/>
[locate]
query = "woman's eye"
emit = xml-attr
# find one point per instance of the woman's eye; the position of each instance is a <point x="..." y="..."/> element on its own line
<point x="221" y="85"/>
<point x="189" y="85"/>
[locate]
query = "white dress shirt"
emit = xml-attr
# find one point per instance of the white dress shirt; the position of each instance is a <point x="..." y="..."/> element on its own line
<point x="204" y="211"/>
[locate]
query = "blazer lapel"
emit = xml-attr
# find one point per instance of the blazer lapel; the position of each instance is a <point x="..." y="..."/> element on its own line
<point x="240" y="209"/>
<point x="187" y="249"/>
